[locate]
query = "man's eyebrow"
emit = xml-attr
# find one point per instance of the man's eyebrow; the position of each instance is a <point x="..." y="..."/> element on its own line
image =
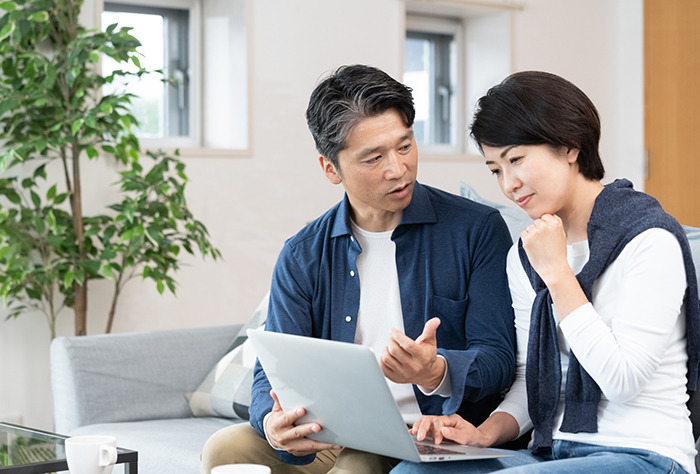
<point x="369" y="151"/>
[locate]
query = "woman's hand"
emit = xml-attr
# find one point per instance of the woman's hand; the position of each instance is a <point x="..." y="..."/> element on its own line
<point x="545" y="245"/>
<point x="452" y="427"/>
<point x="544" y="242"/>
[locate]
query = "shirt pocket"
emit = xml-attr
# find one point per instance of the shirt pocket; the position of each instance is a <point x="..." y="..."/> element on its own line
<point x="452" y="314"/>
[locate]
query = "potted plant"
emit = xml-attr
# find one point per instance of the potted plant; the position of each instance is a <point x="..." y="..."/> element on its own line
<point x="52" y="110"/>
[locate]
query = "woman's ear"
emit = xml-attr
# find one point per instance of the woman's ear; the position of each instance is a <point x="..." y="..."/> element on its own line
<point x="572" y="155"/>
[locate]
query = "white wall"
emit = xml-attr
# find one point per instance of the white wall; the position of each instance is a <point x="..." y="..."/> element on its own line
<point x="251" y="205"/>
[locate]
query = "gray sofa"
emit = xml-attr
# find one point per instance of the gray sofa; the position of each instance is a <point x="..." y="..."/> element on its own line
<point x="132" y="386"/>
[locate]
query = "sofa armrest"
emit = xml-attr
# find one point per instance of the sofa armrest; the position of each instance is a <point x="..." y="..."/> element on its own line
<point x="131" y="376"/>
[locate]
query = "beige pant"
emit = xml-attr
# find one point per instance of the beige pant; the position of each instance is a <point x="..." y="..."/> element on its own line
<point x="241" y="443"/>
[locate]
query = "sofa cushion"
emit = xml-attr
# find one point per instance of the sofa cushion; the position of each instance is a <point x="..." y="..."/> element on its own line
<point x="225" y="391"/>
<point x="516" y="219"/>
<point x="164" y="446"/>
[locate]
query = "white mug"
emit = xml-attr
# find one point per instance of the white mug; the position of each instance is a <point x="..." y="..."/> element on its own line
<point x="91" y="454"/>
<point x="240" y="469"/>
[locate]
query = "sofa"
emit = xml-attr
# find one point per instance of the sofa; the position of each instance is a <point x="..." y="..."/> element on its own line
<point x="133" y="385"/>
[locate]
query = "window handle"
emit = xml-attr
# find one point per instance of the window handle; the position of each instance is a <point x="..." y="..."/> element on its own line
<point x="180" y="77"/>
<point x="444" y="93"/>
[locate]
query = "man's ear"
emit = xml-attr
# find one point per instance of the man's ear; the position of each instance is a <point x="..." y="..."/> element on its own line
<point x="329" y="170"/>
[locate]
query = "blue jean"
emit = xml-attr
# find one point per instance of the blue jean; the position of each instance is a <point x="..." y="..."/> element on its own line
<point x="566" y="457"/>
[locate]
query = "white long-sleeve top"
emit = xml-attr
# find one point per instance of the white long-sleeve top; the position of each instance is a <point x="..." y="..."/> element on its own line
<point x="631" y="339"/>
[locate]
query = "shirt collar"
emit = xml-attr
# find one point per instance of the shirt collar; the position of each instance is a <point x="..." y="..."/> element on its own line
<point x="419" y="211"/>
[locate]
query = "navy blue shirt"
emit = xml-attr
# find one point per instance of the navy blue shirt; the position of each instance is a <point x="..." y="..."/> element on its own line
<point x="451" y="261"/>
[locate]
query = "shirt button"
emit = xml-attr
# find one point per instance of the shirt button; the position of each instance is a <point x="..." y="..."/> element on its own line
<point x="348" y="318"/>
<point x="352" y="273"/>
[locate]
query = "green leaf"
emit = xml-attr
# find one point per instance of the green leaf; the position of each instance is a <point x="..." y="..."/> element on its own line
<point x="107" y="271"/>
<point x="39" y="17"/>
<point x="40" y="171"/>
<point x="80" y="277"/>
<point x="36" y="199"/>
<point x="7" y="30"/>
<point x="136" y="61"/>
<point x="160" y="286"/>
<point x="68" y="279"/>
<point x="60" y="198"/>
<point x="51" y="219"/>
<point x="13" y="197"/>
<point x="94" y="56"/>
<point x="40" y="102"/>
<point x="106" y="108"/>
<point x="76" y="126"/>
<point x="51" y="192"/>
<point x="153" y="235"/>
<point x="146" y="271"/>
<point x="91" y="152"/>
<point x="8" y="6"/>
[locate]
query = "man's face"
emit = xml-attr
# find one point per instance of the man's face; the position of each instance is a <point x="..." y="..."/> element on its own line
<point x="378" y="170"/>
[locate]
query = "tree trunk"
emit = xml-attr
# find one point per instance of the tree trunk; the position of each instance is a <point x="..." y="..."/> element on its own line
<point x="113" y="308"/>
<point x="80" y="305"/>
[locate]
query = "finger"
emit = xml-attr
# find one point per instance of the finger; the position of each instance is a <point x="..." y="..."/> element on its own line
<point x="276" y="406"/>
<point x="429" y="332"/>
<point x="451" y="434"/>
<point x="423" y="428"/>
<point x="437" y="430"/>
<point x="400" y="339"/>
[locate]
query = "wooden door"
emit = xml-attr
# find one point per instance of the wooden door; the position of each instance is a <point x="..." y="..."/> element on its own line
<point x="672" y="105"/>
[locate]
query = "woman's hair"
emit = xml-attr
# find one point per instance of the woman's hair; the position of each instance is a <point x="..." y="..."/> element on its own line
<point x="347" y="96"/>
<point x="539" y="108"/>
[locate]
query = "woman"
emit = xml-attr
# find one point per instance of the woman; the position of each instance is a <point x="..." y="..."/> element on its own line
<point x="604" y="293"/>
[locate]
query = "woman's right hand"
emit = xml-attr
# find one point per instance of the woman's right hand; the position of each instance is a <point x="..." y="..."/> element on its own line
<point x="452" y="427"/>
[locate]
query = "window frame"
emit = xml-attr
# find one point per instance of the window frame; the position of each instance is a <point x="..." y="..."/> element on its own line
<point x="192" y="145"/>
<point x="194" y="139"/>
<point x="487" y="56"/>
<point x="455" y="27"/>
<point x="171" y="94"/>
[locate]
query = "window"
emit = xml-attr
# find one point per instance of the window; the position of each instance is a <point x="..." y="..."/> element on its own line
<point x="431" y="69"/>
<point x="203" y="45"/>
<point x="453" y="54"/>
<point x="161" y="109"/>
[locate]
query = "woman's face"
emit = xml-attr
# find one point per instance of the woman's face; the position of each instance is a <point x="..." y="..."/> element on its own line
<point x="538" y="178"/>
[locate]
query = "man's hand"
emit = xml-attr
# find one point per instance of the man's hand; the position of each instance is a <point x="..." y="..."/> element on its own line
<point x="416" y="362"/>
<point x="283" y="434"/>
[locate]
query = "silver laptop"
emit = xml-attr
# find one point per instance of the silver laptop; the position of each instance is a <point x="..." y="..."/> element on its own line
<point x="343" y="389"/>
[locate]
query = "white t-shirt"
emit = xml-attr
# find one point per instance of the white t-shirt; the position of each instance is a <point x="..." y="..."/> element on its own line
<point x="631" y="339"/>
<point x="380" y="306"/>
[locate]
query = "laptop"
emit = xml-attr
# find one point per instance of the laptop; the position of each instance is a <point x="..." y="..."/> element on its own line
<point x="343" y="389"/>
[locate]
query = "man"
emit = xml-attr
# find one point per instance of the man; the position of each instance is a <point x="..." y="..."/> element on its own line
<point x="413" y="272"/>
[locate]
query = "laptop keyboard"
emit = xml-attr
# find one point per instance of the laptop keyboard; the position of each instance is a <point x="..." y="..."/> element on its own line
<point x="433" y="449"/>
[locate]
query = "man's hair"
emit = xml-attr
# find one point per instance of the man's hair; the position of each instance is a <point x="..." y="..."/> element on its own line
<point x="347" y="96"/>
<point x="539" y="108"/>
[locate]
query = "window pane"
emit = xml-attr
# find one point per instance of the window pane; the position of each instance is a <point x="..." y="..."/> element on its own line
<point x="161" y="109"/>
<point x="148" y="106"/>
<point x="430" y="65"/>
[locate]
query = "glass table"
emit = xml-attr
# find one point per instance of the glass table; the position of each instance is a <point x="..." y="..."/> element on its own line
<point x="29" y="451"/>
